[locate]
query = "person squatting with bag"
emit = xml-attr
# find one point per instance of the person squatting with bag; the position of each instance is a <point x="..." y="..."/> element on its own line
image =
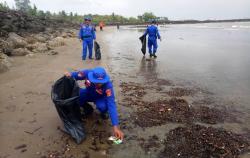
<point x="99" y="89"/>
<point x="87" y="36"/>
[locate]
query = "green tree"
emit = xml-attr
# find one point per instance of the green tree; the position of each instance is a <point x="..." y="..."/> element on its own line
<point x="41" y="14"/>
<point x="4" y="6"/>
<point x="71" y="16"/>
<point x="23" y="5"/>
<point x="113" y="17"/>
<point x="48" y="15"/>
<point x="139" y="17"/>
<point x="62" y="15"/>
<point x="133" y="20"/>
<point x="33" y="11"/>
<point x="147" y="16"/>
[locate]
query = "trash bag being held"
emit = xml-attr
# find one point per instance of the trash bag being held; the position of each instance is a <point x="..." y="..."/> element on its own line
<point x="97" y="48"/>
<point x="143" y="40"/>
<point x="65" y="95"/>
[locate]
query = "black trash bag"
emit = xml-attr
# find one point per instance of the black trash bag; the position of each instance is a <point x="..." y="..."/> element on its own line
<point x="143" y="40"/>
<point x="97" y="48"/>
<point x="65" y="95"/>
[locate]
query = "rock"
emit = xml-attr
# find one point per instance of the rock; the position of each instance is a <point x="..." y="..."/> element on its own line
<point x="72" y="33"/>
<point x="5" y="62"/>
<point x="56" y="42"/>
<point x="52" y="52"/>
<point x="16" y="41"/>
<point x="68" y="34"/>
<point x="40" y="48"/>
<point x="31" y="40"/>
<point x="31" y="55"/>
<point x="40" y="38"/>
<point x="31" y="47"/>
<point x="64" y="35"/>
<point x="21" y="22"/>
<point x="5" y="47"/>
<point x="20" y="52"/>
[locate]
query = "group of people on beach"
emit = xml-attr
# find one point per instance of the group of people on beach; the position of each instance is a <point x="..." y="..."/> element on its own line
<point x="98" y="85"/>
<point x="87" y="36"/>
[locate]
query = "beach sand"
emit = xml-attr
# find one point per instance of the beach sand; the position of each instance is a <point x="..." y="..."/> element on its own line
<point x="200" y="67"/>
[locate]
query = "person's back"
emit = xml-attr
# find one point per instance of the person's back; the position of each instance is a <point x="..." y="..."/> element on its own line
<point x="152" y="31"/>
<point x="153" y="34"/>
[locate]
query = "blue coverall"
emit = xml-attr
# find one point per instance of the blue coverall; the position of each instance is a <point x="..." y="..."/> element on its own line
<point x="87" y="34"/>
<point x="103" y="97"/>
<point x="153" y="34"/>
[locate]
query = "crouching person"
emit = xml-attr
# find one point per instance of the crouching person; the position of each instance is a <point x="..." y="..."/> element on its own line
<point x="99" y="89"/>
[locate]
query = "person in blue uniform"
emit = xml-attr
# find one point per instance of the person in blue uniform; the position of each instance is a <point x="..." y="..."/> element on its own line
<point x="99" y="89"/>
<point x="86" y="36"/>
<point x="153" y="34"/>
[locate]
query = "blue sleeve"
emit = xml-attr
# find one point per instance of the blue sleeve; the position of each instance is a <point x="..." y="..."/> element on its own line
<point x="93" y="33"/>
<point x="84" y="74"/>
<point x="110" y="100"/>
<point x="157" y="33"/>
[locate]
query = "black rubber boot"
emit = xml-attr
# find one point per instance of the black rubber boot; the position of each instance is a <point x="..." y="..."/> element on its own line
<point x="154" y="55"/>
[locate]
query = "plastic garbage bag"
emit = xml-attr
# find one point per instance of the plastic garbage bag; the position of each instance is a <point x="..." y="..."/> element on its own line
<point x="65" y="95"/>
<point x="143" y="40"/>
<point x="97" y="48"/>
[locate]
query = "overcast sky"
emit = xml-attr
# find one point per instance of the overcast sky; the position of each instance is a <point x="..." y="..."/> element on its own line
<point x="173" y="9"/>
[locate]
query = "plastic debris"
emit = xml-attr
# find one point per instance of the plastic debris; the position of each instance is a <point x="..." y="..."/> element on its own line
<point x="115" y="140"/>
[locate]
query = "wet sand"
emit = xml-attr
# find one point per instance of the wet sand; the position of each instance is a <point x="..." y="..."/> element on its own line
<point x="27" y="115"/>
<point x="30" y="126"/>
<point x="206" y="68"/>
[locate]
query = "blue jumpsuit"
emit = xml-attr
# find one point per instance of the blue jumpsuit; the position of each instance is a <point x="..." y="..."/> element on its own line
<point x="103" y="97"/>
<point x="153" y="34"/>
<point x="87" y="34"/>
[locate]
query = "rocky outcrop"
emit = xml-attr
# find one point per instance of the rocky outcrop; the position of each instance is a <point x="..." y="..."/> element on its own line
<point x="23" y="35"/>
<point x="56" y="42"/>
<point x="19" y="22"/>
<point x="5" y="47"/>
<point x="16" y="41"/>
<point x="40" y="48"/>
<point x="40" y="38"/>
<point x="4" y="62"/>
<point x="20" y="52"/>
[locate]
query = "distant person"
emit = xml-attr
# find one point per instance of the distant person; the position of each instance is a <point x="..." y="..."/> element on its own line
<point x="99" y="89"/>
<point x="118" y="26"/>
<point x="86" y="36"/>
<point x="153" y="34"/>
<point x="101" y="25"/>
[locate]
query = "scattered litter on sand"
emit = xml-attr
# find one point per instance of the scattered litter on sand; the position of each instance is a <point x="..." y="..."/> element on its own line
<point x="201" y="141"/>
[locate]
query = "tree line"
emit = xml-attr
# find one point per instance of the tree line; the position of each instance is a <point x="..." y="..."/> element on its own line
<point x="26" y="7"/>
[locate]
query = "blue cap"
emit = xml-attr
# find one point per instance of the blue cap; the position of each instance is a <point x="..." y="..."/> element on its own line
<point x="87" y="18"/>
<point x="98" y="75"/>
<point x="153" y="21"/>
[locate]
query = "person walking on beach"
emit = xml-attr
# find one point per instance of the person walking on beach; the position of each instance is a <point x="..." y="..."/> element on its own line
<point x="101" y="25"/>
<point x="99" y="89"/>
<point x="86" y="36"/>
<point x="153" y="34"/>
